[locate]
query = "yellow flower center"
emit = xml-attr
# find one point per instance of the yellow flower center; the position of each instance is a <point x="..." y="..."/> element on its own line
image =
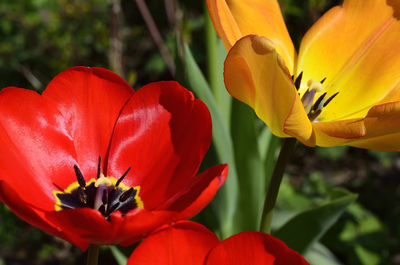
<point x="105" y="194"/>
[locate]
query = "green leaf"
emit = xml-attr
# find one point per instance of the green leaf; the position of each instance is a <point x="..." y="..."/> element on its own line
<point x="268" y="145"/>
<point x="227" y="195"/>
<point x="118" y="255"/>
<point x="249" y="166"/>
<point x="309" y="226"/>
<point x="320" y="255"/>
<point x="367" y="257"/>
<point x="222" y="97"/>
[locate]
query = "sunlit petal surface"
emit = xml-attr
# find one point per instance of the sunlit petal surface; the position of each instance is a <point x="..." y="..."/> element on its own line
<point x="253" y="248"/>
<point x="234" y="19"/>
<point x="184" y="243"/>
<point x="355" y="46"/>
<point x="189" y="243"/>
<point x="94" y="163"/>
<point x="377" y="130"/>
<point x="255" y="74"/>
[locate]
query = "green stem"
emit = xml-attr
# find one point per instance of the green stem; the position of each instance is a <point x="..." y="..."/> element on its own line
<point x="93" y="255"/>
<point x="211" y="49"/>
<point x="275" y="182"/>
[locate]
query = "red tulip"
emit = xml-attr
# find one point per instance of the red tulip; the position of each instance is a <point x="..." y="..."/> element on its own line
<point x="189" y="243"/>
<point x="66" y="154"/>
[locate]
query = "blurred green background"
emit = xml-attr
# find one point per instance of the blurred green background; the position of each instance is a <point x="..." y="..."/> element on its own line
<point x="41" y="38"/>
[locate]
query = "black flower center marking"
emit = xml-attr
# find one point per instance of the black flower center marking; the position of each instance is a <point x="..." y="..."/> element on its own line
<point x="105" y="194"/>
<point x="313" y="108"/>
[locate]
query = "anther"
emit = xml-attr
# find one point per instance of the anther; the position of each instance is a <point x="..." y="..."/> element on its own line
<point x="99" y="168"/>
<point x="323" y="80"/>
<point x="318" y="102"/>
<point x="100" y="194"/>
<point x="112" y="208"/>
<point x="79" y="176"/>
<point x="124" y="196"/>
<point x="297" y="82"/>
<point x="102" y="210"/>
<point x="122" y="177"/>
<point x="82" y="195"/>
<point x="330" y="99"/>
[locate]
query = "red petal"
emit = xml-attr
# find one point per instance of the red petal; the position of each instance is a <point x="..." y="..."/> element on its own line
<point x="90" y="99"/>
<point x="199" y="192"/>
<point x="184" y="243"/>
<point x="253" y="248"/>
<point x="139" y="224"/>
<point x="90" y="225"/>
<point x="37" y="154"/>
<point x="163" y="133"/>
<point x="33" y="216"/>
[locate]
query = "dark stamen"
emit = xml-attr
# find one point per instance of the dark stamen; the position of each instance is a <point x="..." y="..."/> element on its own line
<point x="104" y="197"/>
<point x="122" y="177"/>
<point x="323" y="80"/>
<point x="99" y="168"/>
<point x="124" y="196"/>
<point x="314" y="114"/>
<point x="319" y="100"/>
<point x="329" y="99"/>
<point x="102" y="209"/>
<point x="79" y="176"/>
<point x="298" y="81"/>
<point x="82" y="195"/>
<point x="112" y="208"/>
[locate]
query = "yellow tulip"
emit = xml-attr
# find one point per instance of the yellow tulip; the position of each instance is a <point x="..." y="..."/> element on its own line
<point x="347" y="70"/>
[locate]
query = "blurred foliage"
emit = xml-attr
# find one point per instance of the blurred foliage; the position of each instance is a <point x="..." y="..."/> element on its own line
<point x="40" y="38"/>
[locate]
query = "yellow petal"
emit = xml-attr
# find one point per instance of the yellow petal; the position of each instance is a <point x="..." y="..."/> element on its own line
<point x="234" y="19"/>
<point x="386" y="143"/>
<point x="355" y="46"/>
<point x="255" y="74"/>
<point x="336" y="133"/>
<point x="377" y="130"/>
<point x="382" y="125"/>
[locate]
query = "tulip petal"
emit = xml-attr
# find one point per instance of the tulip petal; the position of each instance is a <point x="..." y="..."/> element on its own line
<point x="234" y="19"/>
<point x="199" y="193"/>
<point x="90" y="99"/>
<point x="255" y="74"/>
<point x="382" y="125"/>
<point x="355" y="47"/>
<point x="248" y="248"/>
<point x="33" y="216"/>
<point x="385" y="143"/>
<point x="375" y="131"/>
<point x="335" y="133"/>
<point x="37" y="153"/>
<point x="88" y="223"/>
<point x="163" y="133"/>
<point x="183" y="243"/>
<point x="91" y="225"/>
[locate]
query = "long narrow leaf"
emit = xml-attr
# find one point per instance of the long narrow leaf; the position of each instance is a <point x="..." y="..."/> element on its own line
<point x="249" y="166"/>
<point x="309" y="226"/>
<point x="227" y="196"/>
